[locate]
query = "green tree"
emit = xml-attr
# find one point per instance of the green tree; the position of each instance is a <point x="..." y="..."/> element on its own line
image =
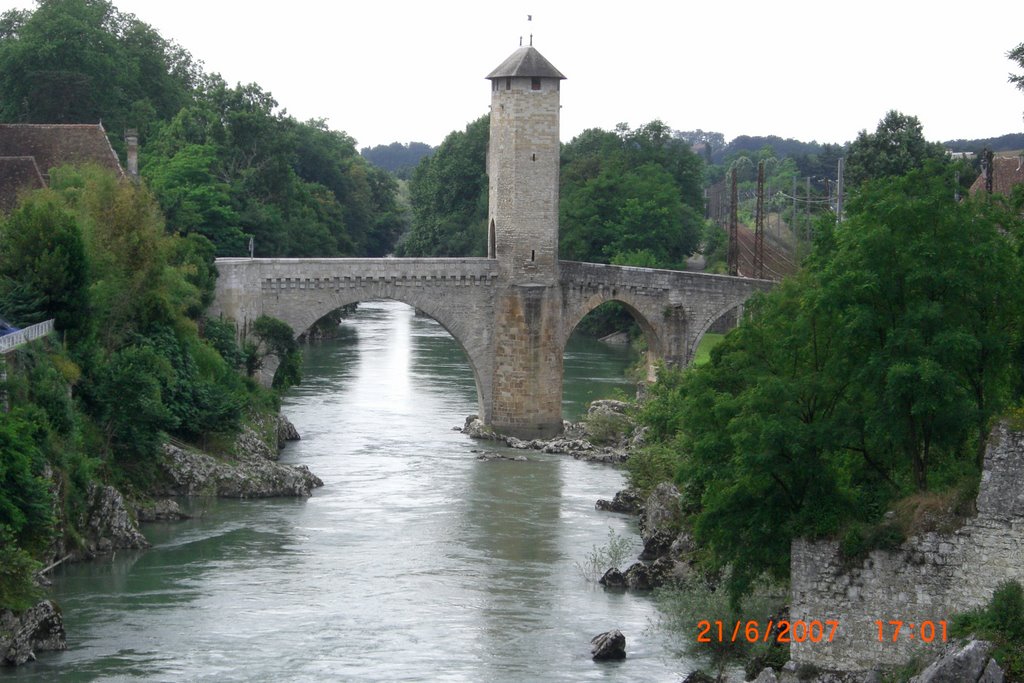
<point x="43" y="264"/>
<point x="194" y="200"/>
<point x="449" y="197"/>
<point x="24" y="496"/>
<point x="874" y="373"/>
<point x="130" y="404"/>
<point x="1017" y="55"/>
<point x="630" y="196"/>
<point x="895" y="148"/>
<point x="82" y="61"/>
<point x="275" y="338"/>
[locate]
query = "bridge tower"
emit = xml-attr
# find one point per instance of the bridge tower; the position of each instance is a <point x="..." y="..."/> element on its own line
<point x="522" y="168"/>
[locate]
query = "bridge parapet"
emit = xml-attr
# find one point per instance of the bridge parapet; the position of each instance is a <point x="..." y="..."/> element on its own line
<point x="245" y="284"/>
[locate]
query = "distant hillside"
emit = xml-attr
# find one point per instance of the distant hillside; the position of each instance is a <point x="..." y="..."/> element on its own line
<point x="398" y="158"/>
<point x="1010" y="142"/>
<point x="783" y="147"/>
<point x="788" y="147"/>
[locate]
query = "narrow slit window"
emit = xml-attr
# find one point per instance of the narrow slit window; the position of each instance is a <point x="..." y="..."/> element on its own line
<point x="533" y="157"/>
<point x="533" y="254"/>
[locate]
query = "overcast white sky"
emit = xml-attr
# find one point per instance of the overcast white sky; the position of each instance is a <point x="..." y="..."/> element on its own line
<point x="387" y="70"/>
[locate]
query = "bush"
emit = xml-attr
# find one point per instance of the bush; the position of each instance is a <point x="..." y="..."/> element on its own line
<point x="18" y="590"/>
<point x="1002" y="622"/>
<point x="650" y="466"/>
<point x="683" y="607"/>
<point x="607" y="428"/>
<point x="602" y="558"/>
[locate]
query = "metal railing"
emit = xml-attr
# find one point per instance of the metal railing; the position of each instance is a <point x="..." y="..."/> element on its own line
<point x="10" y="342"/>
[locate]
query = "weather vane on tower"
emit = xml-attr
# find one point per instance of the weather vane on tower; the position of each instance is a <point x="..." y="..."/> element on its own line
<point x="529" y="20"/>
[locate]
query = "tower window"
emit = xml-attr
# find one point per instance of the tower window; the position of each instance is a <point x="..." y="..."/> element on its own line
<point x="533" y="254"/>
<point x="508" y="83"/>
<point x="535" y="83"/>
<point x="533" y="157"/>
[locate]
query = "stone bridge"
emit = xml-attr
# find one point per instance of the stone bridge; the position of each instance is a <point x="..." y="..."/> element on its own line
<point x="512" y="312"/>
<point x="673" y="308"/>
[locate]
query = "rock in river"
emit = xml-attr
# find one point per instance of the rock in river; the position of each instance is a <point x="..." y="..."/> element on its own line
<point x="38" y="628"/>
<point x="608" y="645"/>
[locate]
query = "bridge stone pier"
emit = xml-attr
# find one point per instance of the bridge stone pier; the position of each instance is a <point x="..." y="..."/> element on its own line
<point x="513" y="311"/>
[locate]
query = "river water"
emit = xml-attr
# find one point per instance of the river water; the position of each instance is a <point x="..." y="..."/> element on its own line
<point x="415" y="561"/>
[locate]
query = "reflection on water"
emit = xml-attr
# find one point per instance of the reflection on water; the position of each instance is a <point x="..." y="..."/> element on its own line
<point x="416" y="561"/>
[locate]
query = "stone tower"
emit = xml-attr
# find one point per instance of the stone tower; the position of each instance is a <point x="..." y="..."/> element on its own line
<point x="522" y="168"/>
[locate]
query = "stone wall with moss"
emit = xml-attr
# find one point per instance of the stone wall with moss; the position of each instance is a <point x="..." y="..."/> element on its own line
<point x="928" y="578"/>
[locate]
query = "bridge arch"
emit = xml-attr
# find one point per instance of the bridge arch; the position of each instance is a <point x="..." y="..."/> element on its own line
<point x="645" y="318"/>
<point x="467" y="339"/>
<point x="706" y="325"/>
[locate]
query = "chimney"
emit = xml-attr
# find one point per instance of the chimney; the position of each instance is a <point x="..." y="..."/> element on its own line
<point x="131" y="139"/>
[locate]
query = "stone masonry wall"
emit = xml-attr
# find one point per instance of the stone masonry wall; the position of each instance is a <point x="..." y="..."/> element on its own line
<point x="929" y="578"/>
<point x="675" y="308"/>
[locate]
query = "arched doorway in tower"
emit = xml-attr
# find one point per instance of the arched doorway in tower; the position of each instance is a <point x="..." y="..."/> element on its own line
<point x="605" y="356"/>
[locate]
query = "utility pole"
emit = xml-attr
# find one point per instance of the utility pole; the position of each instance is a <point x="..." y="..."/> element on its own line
<point x="807" y="212"/>
<point x="986" y="165"/>
<point x="839" y="193"/>
<point x="759" y="225"/>
<point x="793" y="220"/>
<point x="734" y="231"/>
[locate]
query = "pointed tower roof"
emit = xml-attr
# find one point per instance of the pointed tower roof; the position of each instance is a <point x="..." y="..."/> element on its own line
<point x="528" y="62"/>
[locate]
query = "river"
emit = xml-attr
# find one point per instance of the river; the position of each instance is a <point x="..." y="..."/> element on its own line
<point x="415" y="561"/>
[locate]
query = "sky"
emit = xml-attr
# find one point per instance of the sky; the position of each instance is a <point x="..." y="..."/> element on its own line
<point x="398" y="70"/>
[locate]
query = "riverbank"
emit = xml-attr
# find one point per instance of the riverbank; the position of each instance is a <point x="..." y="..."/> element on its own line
<point x="110" y="521"/>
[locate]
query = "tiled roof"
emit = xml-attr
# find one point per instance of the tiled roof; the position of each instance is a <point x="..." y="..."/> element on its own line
<point x="526" y="61"/>
<point x="55" y="144"/>
<point x="16" y="175"/>
<point x="1007" y="172"/>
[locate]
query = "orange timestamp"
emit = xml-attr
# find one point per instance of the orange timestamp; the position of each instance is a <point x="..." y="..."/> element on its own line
<point x="782" y="631"/>
<point x="925" y="631"/>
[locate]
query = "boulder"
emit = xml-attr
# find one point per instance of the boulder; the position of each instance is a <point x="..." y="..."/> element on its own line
<point x="607" y="407"/>
<point x="661" y="511"/>
<point x="683" y="547"/>
<point x="608" y="645"/>
<point x="567" y="446"/>
<point x="993" y="673"/>
<point x="107" y="524"/>
<point x="160" y="511"/>
<point x="638" y="577"/>
<point x="698" y="676"/>
<point x="616" y="338"/>
<point x="34" y="630"/>
<point x="286" y="431"/>
<point x="959" y="663"/>
<point x="475" y="428"/>
<point x="767" y="675"/>
<point x="613" y="578"/>
<point x="193" y="473"/>
<point x="626" y="501"/>
<point x="502" y="456"/>
<point x="249" y="444"/>
<point x="657" y="544"/>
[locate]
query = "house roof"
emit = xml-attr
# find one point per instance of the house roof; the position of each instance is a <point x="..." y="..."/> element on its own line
<point x="526" y="61"/>
<point x="55" y="144"/>
<point x="16" y="175"/>
<point x="1007" y="173"/>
